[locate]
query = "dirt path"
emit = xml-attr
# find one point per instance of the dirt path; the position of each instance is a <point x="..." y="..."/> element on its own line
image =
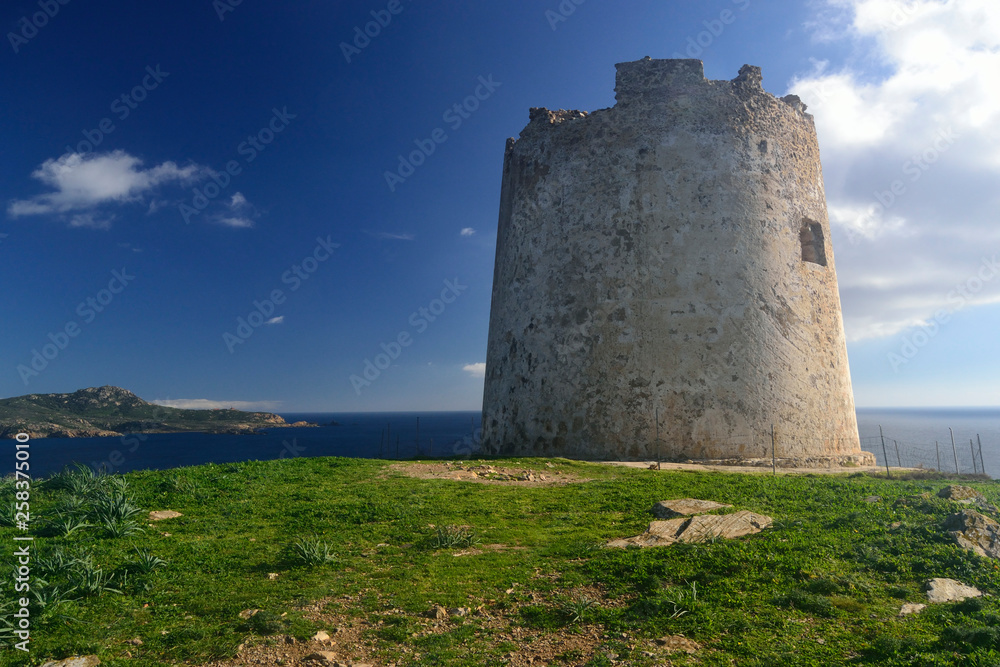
<point x="707" y="467"/>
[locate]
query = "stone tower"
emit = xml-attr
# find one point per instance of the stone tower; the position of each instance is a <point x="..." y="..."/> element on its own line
<point x="668" y="258"/>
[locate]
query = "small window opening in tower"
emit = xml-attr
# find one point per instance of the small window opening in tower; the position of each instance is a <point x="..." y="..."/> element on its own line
<point x="813" y="248"/>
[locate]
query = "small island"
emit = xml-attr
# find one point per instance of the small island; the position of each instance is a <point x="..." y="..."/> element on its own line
<point x="111" y="411"/>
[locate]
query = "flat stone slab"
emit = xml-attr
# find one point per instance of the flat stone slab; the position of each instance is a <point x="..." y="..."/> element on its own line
<point x="911" y="608"/>
<point x="669" y="509"/>
<point x="659" y="534"/>
<point x="157" y="515"/>
<point x="975" y="532"/>
<point x="711" y="526"/>
<point x="700" y="528"/>
<point x="75" y="661"/>
<point x="949" y="590"/>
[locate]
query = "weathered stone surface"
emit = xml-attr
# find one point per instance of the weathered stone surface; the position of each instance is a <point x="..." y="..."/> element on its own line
<point x="670" y="255"/>
<point x="436" y="611"/>
<point x="697" y="529"/>
<point x="976" y="532"/>
<point x="710" y="526"/>
<point x="159" y="515"/>
<point x="967" y="496"/>
<point x="75" y="661"/>
<point x="659" y="534"/>
<point x="873" y="499"/>
<point x="911" y="608"/>
<point x="949" y="590"/>
<point x="961" y="494"/>
<point x="669" y="509"/>
<point x="676" y="643"/>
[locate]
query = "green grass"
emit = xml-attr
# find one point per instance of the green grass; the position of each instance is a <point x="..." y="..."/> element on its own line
<point x="833" y="568"/>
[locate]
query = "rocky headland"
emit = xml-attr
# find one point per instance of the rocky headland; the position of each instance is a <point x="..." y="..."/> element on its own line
<point x="111" y="411"/>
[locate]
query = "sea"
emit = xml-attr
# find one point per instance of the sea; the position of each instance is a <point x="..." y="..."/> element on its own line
<point x="910" y="437"/>
<point x="949" y="439"/>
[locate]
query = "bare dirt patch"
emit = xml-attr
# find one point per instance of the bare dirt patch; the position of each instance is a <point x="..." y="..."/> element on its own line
<point x="484" y="473"/>
<point x="352" y="637"/>
<point x="756" y="469"/>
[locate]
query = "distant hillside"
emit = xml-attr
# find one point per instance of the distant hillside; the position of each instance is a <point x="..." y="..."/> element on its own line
<point x="111" y="411"/>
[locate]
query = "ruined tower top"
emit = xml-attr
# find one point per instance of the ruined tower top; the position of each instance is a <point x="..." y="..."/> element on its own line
<point x="650" y="79"/>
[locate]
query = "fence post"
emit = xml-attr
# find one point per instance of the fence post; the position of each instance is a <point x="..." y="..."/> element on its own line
<point x="981" y="464"/>
<point x="954" y="451"/>
<point x="884" y="455"/>
<point x="899" y="461"/>
<point x="972" y="448"/>
<point x="774" y="469"/>
<point x="657" y="418"/>
<point x="937" y="450"/>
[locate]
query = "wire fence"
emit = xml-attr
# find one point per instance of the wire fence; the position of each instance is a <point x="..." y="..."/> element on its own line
<point x="770" y="448"/>
<point x="951" y="454"/>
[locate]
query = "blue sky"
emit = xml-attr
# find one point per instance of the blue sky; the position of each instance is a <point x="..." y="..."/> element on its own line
<point x="168" y="171"/>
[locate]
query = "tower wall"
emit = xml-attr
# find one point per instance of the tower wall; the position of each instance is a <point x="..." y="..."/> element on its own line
<point x="668" y="256"/>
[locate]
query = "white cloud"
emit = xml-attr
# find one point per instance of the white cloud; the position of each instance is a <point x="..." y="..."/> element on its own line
<point x="477" y="370"/>
<point x="90" y="221"/>
<point x="915" y="107"/>
<point x="395" y="237"/>
<point x="276" y="320"/>
<point x="239" y="214"/>
<point x="229" y="221"/>
<point x="82" y="182"/>
<point x="206" y="404"/>
<point x="467" y="231"/>
<point x="869" y="222"/>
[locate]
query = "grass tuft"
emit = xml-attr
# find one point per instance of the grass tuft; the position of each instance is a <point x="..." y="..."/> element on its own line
<point x="576" y="608"/>
<point x="312" y="551"/>
<point x="454" y="537"/>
